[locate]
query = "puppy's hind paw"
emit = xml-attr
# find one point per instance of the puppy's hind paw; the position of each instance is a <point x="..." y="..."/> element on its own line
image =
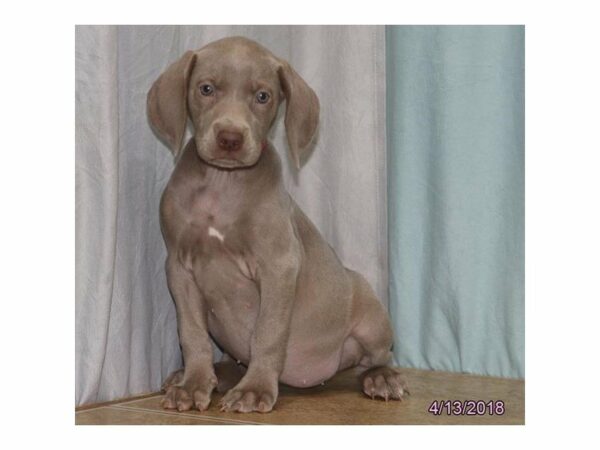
<point x="384" y="382"/>
<point x="173" y="379"/>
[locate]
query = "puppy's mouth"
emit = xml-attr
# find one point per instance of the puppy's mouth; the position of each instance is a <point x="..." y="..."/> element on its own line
<point x="246" y="156"/>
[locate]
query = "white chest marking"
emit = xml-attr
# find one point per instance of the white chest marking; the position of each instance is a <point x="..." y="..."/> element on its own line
<point x="213" y="232"/>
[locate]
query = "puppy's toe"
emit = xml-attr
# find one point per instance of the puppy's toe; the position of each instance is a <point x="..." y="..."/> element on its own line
<point x="201" y="400"/>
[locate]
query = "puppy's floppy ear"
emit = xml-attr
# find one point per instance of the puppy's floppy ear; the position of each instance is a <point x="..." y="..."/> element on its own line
<point x="167" y="101"/>
<point x="301" y="113"/>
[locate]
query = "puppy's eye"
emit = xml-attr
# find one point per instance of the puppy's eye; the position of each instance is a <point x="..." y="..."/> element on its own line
<point x="262" y="97"/>
<point x="207" y="89"/>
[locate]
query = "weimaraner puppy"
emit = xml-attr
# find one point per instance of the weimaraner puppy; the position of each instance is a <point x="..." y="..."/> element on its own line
<point x="245" y="266"/>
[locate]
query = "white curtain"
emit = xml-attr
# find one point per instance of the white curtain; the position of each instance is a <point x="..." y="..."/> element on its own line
<point x="126" y="332"/>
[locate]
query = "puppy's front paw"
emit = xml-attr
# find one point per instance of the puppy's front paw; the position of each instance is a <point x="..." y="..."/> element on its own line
<point x="384" y="382"/>
<point x="248" y="397"/>
<point x="189" y="394"/>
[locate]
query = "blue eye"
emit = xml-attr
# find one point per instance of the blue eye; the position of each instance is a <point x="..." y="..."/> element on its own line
<point x="262" y="97"/>
<point x="207" y="90"/>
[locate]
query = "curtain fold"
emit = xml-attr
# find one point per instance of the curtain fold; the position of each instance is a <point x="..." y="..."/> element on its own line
<point x="126" y="332"/>
<point x="455" y="111"/>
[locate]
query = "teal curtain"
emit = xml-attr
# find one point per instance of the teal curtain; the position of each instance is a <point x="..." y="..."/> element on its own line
<point x="455" y="131"/>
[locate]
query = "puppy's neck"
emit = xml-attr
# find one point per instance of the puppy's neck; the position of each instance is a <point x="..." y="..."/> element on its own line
<point x="265" y="174"/>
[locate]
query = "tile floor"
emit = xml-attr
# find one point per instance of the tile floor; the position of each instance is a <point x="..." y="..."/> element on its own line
<point x="338" y="402"/>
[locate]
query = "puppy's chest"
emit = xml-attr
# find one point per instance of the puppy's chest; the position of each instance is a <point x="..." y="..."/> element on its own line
<point x="213" y="234"/>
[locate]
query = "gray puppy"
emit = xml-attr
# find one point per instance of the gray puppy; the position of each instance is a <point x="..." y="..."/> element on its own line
<point x="245" y="265"/>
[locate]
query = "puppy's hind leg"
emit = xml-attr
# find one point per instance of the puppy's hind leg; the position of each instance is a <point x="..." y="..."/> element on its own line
<point x="374" y="334"/>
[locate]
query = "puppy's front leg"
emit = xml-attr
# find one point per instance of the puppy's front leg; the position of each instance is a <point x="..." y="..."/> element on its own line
<point x="199" y="380"/>
<point x="258" y="389"/>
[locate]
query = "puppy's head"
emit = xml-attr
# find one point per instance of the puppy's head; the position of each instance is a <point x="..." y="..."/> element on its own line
<point x="231" y="90"/>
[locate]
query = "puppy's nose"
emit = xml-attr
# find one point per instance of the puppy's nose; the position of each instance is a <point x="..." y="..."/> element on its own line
<point x="230" y="140"/>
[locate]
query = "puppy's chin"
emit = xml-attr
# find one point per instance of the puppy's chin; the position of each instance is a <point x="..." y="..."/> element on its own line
<point x="245" y="160"/>
<point x="227" y="163"/>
